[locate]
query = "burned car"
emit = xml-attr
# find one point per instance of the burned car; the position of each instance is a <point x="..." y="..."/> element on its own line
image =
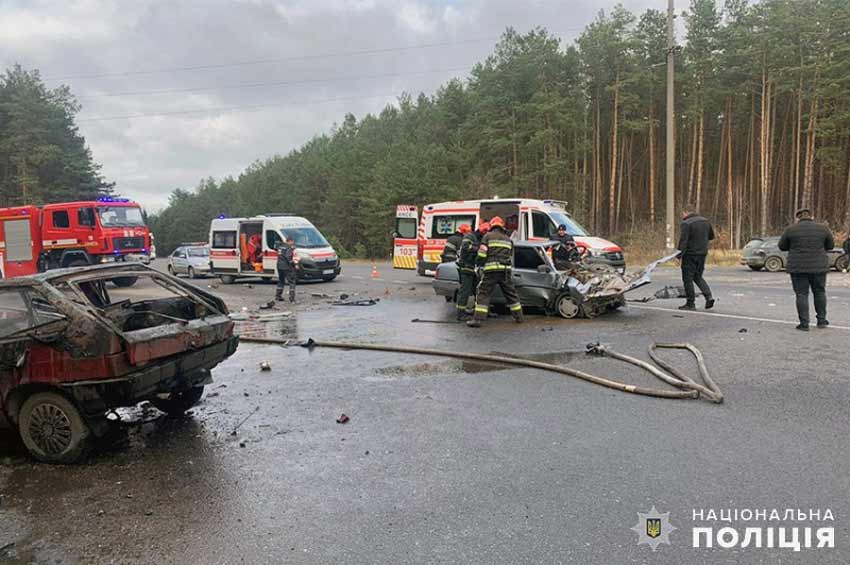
<point x="583" y="290"/>
<point x="74" y="346"/>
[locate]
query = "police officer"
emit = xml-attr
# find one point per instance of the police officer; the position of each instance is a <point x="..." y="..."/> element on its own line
<point x="565" y="253"/>
<point x="287" y="264"/>
<point x="496" y="254"/>
<point x="466" y="259"/>
<point x="452" y="245"/>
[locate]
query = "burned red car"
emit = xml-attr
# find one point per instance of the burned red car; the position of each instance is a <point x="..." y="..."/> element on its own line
<point x="74" y="346"/>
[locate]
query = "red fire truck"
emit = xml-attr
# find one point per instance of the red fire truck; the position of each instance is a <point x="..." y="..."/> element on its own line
<point x="71" y="234"/>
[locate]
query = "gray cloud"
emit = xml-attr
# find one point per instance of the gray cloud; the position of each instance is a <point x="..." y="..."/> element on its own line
<point x="149" y="157"/>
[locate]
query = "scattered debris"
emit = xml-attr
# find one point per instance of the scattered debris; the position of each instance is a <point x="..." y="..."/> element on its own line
<point x="421" y="321"/>
<point x="249" y="286"/>
<point x="742" y="331"/>
<point x="320" y="295"/>
<point x="148" y="512"/>
<point x="242" y="443"/>
<point x="343" y="419"/>
<point x="644" y="300"/>
<point x="361" y="302"/>
<point x="267" y="306"/>
<point x="7" y="547"/>
<point x="343" y="296"/>
<point x="265" y="366"/>
<point x="239" y="425"/>
<point x="212" y="285"/>
<point x="366" y="452"/>
<point x="212" y="395"/>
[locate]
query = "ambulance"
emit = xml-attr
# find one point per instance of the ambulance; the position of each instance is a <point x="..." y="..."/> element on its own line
<point x="424" y="237"/>
<point x="245" y="247"/>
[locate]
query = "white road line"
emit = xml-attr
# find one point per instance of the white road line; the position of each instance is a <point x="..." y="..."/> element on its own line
<point x="400" y="282"/>
<point x="719" y="315"/>
<point x="359" y="278"/>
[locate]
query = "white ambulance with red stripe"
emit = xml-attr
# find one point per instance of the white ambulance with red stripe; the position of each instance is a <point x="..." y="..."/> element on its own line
<point x="525" y="219"/>
<point x="245" y="247"/>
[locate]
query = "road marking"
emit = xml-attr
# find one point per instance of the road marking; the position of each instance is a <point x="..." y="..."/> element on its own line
<point x="359" y="278"/>
<point x="719" y="315"/>
<point x="400" y="282"/>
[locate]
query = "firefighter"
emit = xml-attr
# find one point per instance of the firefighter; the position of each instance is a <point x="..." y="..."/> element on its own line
<point x="565" y="253"/>
<point x="287" y="264"/>
<point x="496" y="253"/>
<point x="466" y="267"/>
<point x="452" y="245"/>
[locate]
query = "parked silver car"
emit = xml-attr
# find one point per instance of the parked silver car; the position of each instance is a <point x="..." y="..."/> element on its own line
<point x="190" y="260"/>
<point x="764" y="253"/>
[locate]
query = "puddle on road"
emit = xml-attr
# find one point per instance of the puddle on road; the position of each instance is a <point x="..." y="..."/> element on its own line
<point x="286" y="328"/>
<point x="460" y="366"/>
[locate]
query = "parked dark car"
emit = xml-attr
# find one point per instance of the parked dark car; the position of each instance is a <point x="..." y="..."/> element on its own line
<point x="764" y="253"/>
<point x="72" y="348"/>
<point x="586" y="290"/>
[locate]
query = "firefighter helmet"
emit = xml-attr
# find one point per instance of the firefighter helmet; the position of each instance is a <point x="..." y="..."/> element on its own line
<point x="484" y="227"/>
<point x="497" y="221"/>
<point x="464" y="228"/>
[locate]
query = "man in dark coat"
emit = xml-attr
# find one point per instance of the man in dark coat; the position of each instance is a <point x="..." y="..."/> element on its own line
<point x="694" y="234"/>
<point x="807" y="244"/>
<point x="287" y="262"/>
<point x="565" y="254"/>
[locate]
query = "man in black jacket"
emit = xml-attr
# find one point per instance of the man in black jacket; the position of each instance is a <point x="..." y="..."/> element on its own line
<point x="565" y="254"/>
<point x="694" y="234"/>
<point x="807" y="243"/>
<point x="287" y="263"/>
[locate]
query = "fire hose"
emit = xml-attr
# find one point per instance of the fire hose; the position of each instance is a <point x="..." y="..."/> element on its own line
<point x="688" y="387"/>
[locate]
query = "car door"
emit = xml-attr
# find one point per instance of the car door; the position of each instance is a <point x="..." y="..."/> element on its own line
<point x="15" y="317"/>
<point x="533" y="276"/>
<point x="179" y="262"/>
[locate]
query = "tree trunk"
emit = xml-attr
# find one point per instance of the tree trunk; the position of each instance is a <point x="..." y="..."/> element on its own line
<point x="689" y="198"/>
<point x="808" y="172"/>
<point x="730" y="197"/>
<point x="614" y="131"/>
<point x="699" y="158"/>
<point x="651" y="163"/>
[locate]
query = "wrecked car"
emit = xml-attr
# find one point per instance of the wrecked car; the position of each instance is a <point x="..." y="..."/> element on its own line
<point x="583" y="290"/>
<point x="73" y="347"/>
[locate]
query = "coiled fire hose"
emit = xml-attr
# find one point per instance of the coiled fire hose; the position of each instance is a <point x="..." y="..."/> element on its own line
<point x="690" y="389"/>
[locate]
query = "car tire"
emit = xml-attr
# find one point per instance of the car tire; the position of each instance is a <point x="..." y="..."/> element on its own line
<point x="171" y="271"/>
<point x="124" y="282"/>
<point x="228" y="279"/>
<point x="178" y="402"/>
<point x="842" y="263"/>
<point x="566" y="307"/>
<point x="52" y="428"/>
<point x="755" y="267"/>
<point x="191" y="273"/>
<point x="773" y="264"/>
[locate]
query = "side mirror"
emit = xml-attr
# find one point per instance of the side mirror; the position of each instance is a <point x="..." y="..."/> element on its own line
<point x="395" y="234"/>
<point x="543" y="269"/>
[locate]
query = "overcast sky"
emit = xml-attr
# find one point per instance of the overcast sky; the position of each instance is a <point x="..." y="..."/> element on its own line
<point x="216" y="85"/>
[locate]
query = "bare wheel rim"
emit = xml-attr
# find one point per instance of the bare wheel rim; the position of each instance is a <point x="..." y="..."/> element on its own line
<point x="773" y="264"/>
<point x="567" y="307"/>
<point x="50" y="428"/>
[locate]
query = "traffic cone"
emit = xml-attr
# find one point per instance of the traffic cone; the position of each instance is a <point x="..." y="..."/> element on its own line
<point x="375" y="274"/>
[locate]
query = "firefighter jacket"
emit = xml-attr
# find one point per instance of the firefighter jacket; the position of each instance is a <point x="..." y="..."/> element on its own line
<point x="469" y="251"/>
<point x="496" y="251"/>
<point x="285" y="257"/>
<point x="451" y="248"/>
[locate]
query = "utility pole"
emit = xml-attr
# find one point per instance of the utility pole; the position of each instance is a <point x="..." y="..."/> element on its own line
<point x="671" y="128"/>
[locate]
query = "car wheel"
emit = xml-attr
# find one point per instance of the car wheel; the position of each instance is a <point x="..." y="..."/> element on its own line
<point x="124" y="282"/>
<point x="178" y="402"/>
<point x="228" y="279"/>
<point x="191" y="273"/>
<point x="567" y="307"/>
<point x="754" y="267"/>
<point x="842" y="263"/>
<point x="773" y="264"/>
<point x="52" y="428"/>
<point x="171" y="271"/>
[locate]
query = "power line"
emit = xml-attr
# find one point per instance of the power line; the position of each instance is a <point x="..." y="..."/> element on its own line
<point x="277" y="60"/>
<point x="275" y="83"/>
<point x="234" y="108"/>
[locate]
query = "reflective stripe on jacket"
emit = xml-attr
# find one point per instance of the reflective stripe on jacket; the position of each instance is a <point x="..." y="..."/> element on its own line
<point x="496" y="251"/>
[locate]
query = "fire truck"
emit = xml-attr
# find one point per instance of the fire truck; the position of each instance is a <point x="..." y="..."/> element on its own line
<point x="71" y="234"/>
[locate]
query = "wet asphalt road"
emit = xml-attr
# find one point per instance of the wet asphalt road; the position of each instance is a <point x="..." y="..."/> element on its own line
<point x="443" y="461"/>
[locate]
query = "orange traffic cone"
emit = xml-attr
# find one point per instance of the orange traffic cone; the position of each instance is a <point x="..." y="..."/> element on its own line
<point x="375" y="274"/>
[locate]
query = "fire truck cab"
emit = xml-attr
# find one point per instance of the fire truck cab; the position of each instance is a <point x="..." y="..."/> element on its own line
<point x="73" y="234"/>
<point x="525" y="220"/>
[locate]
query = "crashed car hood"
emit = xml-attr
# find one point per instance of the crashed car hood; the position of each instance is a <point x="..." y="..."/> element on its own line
<point x="607" y="284"/>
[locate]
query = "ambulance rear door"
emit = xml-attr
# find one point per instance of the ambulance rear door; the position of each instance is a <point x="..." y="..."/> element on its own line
<point x="405" y="237"/>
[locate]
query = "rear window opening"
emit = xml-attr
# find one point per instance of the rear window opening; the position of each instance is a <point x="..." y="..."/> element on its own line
<point x="152" y="302"/>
